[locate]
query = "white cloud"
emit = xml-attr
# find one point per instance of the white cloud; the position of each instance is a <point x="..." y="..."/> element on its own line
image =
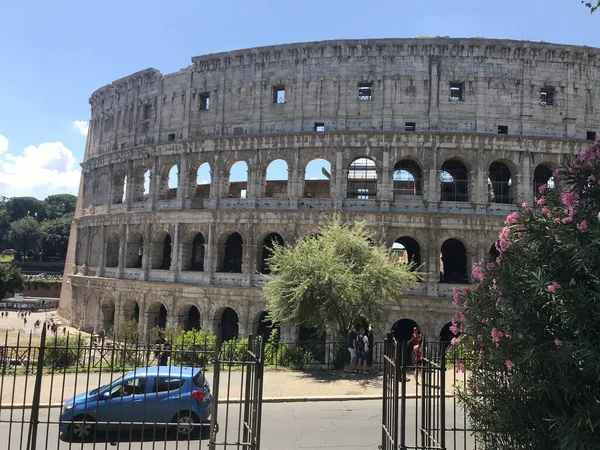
<point x="82" y="126"/>
<point x="39" y="170"/>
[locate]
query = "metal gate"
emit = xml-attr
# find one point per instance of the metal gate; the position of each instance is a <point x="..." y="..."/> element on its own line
<point x="421" y="416"/>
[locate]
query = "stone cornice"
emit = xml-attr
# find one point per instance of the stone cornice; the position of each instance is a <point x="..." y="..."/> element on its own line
<point x="342" y="139"/>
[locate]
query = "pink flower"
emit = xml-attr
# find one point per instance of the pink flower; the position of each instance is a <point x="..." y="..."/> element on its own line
<point x="512" y="218"/>
<point x="557" y="342"/>
<point x="453" y="341"/>
<point x="545" y="211"/>
<point x="572" y="282"/>
<point x="525" y="205"/>
<point x="557" y="237"/>
<point x="582" y="226"/>
<point x="505" y="378"/>
<point x="503" y="243"/>
<point x="477" y="271"/>
<point x="570" y="199"/>
<point x="454" y="328"/>
<point x="567" y="219"/>
<point x="540" y="201"/>
<point x="477" y="388"/>
<point x="556" y="220"/>
<point x="460" y="368"/>
<point x="509" y="364"/>
<point x="455" y="297"/>
<point x="520" y="335"/>
<point x="496" y="335"/>
<point x="554" y="286"/>
<point x="543" y="188"/>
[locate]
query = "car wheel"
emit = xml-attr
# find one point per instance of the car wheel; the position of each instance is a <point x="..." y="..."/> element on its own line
<point x="81" y="428"/>
<point x="185" y="424"/>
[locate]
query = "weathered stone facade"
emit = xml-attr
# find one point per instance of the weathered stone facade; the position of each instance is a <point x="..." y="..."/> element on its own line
<point x="433" y="141"/>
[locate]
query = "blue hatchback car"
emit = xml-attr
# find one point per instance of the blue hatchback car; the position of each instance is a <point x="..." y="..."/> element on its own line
<point x="145" y="397"/>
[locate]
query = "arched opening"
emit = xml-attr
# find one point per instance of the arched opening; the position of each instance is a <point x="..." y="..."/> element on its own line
<point x="201" y="181"/>
<point x="238" y="180"/>
<point x="141" y="184"/>
<point x="131" y="311"/>
<point x="408" y="178"/>
<point x="317" y="179"/>
<point x="542" y="175"/>
<point x="108" y="314"/>
<point x="102" y="189"/>
<point x="157" y="316"/>
<point x="135" y="251"/>
<point x="446" y="334"/>
<point x="276" y="179"/>
<point x="229" y="326"/>
<point x="161" y="251"/>
<point x="499" y="183"/>
<point x="166" y="253"/>
<point x="169" y="178"/>
<point x="409" y="250"/>
<point x="265" y="327"/>
<point x="454" y="181"/>
<point x="190" y="318"/>
<point x="402" y="331"/>
<point x="95" y="250"/>
<point x="362" y="179"/>
<point x="119" y="187"/>
<point x="493" y="253"/>
<point x="267" y="250"/>
<point x="112" y="250"/>
<point x="314" y="341"/>
<point x="453" y="262"/>
<point x="198" y="253"/>
<point x="233" y="254"/>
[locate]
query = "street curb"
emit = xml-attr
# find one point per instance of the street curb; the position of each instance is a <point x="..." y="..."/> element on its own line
<point x="316" y="398"/>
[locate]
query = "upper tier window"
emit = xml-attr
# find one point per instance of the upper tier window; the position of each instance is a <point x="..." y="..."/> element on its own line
<point x="365" y="91"/>
<point x="456" y="92"/>
<point x="205" y="101"/>
<point x="547" y="96"/>
<point x="279" y="94"/>
<point x="147" y="112"/>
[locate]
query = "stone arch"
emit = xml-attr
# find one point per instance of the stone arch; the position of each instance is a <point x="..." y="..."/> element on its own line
<point x="200" y="180"/>
<point x="446" y="335"/>
<point x="189" y="317"/>
<point x="409" y="249"/>
<point x="108" y="314"/>
<point x="408" y="178"/>
<point x="135" y="250"/>
<point x="500" y="183"/>
<point x="263" y="327"/>
<point x="402" y="329"/>
<point x="542" y="175"/>
<point x="162" y="251"/>
<point x="88" y="190"/>
<point x="168" y="182"/>
<point x="227" y="323"/>
<point x="276" y="179"/>
<point x="316" y="179"/>
<point x="454" y="181"/>
<point x="131" y="310"/>
<point x="193" y="252"/>
<point x="453" y="262"/>
<point x="232" y="253"/>
<point x="112" y="250"/>
<point x="102" y="189"/>
<point x="157" y="316"/>
<point x="493" y="253"/>
<point x="235" y="179"/>
<point x="96" y="246"/>
<point x="141" y="184"/>
<point x="362" y="179"/>
<point x="266" y="250"/>
<point x="119" y="186"/>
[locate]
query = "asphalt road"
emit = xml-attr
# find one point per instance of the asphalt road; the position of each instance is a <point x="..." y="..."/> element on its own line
<point x="352" y="425"/>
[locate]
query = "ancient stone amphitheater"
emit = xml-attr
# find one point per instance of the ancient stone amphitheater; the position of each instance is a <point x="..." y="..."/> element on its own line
<point x="189" y="177"/>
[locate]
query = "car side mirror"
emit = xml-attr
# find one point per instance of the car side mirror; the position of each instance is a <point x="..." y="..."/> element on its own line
<point x="105" y="395"/>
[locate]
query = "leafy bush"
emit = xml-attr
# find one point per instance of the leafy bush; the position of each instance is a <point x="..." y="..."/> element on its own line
<point x="533" y="321"/>
<point x="194" y="348"/>
<point x="62" y="352"/>
<point x="126" y="333"/>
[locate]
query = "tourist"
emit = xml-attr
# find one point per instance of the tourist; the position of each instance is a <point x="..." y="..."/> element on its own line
<point x="162" y="349"/>
<point x="416" y="343"/>
<point x="352" y="347"/>
<point x="362" y="344"/>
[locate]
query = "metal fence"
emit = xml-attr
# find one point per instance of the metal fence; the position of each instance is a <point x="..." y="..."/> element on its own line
<point x="63" y="392"/>
<point x="420" y="410"/>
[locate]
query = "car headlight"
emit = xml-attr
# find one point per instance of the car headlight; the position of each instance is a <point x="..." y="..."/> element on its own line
<point x="68" y="408"/>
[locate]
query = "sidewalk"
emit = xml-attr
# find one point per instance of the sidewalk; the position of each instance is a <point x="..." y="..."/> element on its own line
<point x="278" y="386"/>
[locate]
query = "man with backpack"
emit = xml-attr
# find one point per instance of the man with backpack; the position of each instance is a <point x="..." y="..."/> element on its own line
<point x="362" y="346"/>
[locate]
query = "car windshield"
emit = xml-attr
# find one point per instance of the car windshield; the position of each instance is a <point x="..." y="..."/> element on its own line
<point x="98" y="389"/>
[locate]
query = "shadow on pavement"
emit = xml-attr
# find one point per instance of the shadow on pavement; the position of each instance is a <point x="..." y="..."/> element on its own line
<point x="372" y="379"/>
<point x="147" y="434"/>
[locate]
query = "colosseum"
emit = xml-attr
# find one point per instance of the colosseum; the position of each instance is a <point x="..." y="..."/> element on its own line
<point x="189" y="177"/>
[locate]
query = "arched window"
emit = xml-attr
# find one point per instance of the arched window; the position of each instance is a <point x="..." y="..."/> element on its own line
<point x="102" y="189"/>
<point x="108" y="314"/>
<point x="119" y="187"/>
<point x="267" y="251"/>
<point x="265" y="327"/>
<point x="198" y="253"/>
<point x="276" y="179"/>
<point x="95" y="250"/>
<point x="499" y="184"/>
<point x="317" y="179"/>
<point x="229" y="325"/>
<point x="112" y="250"/>
<point x="238" y="180"/>
<point x="362" y="179"/>
<point x="408" y="178"/>
<point x="409" y="250"/>
<point x="454" y="181"/>
<point x="157" y="316"/>
<point x="233" y="254"/>
<point x="135" y="251"/>
<point x="141" y="185"/>
<point x="453" y="264"/>
<point x="166" y="253"/>
<point x="542" y="175"/>
<point x="169" y="177"/>
<point x="201" y="181"/>
<point x="190" y="319"/>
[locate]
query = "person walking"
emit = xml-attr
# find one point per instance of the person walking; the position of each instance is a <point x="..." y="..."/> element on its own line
<point x="162" y="349"/>
<point x="416" y="343"/>
<point x="362" y="344"/>
<point x="352" y="347"/>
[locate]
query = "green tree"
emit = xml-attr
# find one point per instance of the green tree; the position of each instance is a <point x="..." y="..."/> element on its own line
<point x="25" y="234"/>
<point x="19" y="207"/>
<point x="4" y="227"/>
<point x="533" y="321"/>
<point x="60" y="204"/>
<point x="330" y="280"/>
<point x="11" y="279"/>
<point x="54" y="238"/>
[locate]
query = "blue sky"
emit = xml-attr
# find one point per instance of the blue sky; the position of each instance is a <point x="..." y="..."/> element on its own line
<point x="54" y="54"/>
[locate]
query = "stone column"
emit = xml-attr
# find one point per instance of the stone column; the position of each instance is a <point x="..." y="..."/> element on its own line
<point x="102" y="258"/>
<point x="176" y="253"/>
<point x="148" y="250"/>
<point x="122" y="248"/>
<point x="526" y="187"/>
<point x="111" y="175"/>
<point x="210" y="257"/>
<point x="182" y="182"/>
<point x="129" y="185"/>
<point x="338" y="190"/>
<point x="154" y="182"/>
<point x="384" y="192"/>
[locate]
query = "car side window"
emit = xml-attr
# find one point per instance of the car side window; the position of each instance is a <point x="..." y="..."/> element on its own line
<point x="129" y="387"/>
<point x="166" y="384"/>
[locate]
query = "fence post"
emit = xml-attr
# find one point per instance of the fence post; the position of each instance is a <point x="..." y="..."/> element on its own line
<point x="403" y="399"/>
<point x="443" y="397"/>
<point x="35" y="407"/>
<point x="214" y="424"/>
